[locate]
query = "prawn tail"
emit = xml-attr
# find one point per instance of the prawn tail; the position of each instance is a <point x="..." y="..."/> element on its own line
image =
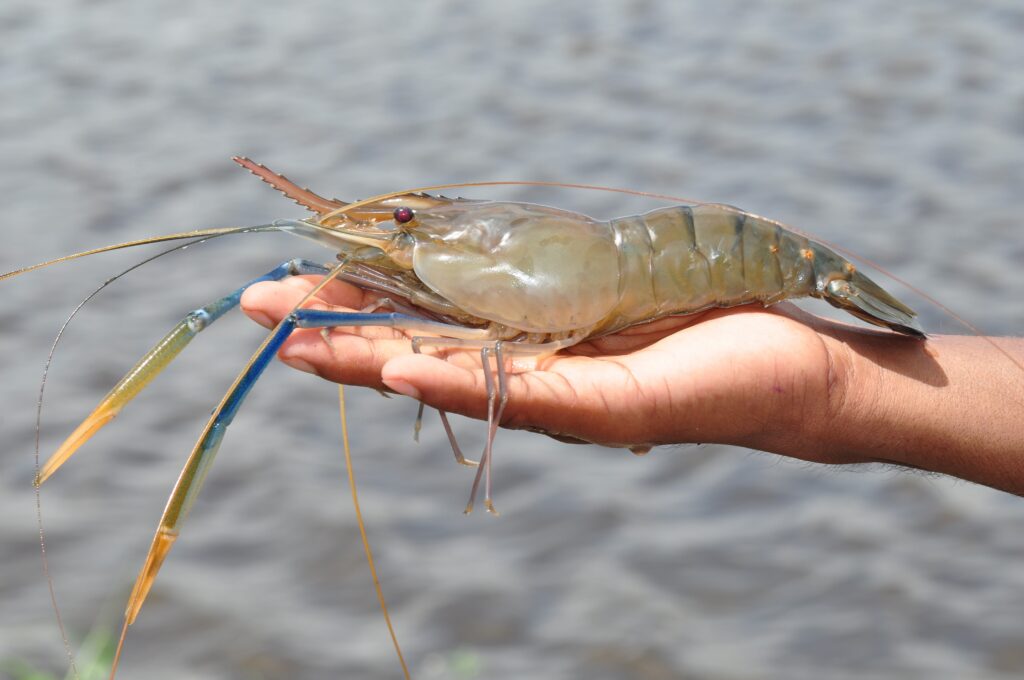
<point x="866" y="300"/>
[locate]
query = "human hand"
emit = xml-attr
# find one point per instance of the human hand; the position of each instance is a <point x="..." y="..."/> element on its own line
<point x="763" y="378"/>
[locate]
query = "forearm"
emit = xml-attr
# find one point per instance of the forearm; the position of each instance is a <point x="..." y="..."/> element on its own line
<point x="953" y="404"/>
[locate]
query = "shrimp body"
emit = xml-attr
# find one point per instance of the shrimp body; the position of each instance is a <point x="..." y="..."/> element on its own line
<point x="549" y="274"/>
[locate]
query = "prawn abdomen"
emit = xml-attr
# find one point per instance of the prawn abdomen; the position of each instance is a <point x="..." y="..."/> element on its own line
<point x="689" y="258"/>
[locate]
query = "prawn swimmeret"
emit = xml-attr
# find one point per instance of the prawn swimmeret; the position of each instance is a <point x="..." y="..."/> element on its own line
<point x="500" y="278"/>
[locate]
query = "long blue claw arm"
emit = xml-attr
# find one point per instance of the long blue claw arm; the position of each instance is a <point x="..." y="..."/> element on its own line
<point x="300" y="318"/>
<point x="282" y="271"/>
<point x="198" y="465"/>
<point x="157" y="359"/>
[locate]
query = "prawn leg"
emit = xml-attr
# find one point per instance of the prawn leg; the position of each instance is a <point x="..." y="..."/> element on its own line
<point x="497" y="398"/>
<point x="456" y="449"/>
<point x="186" y="489"/>
<point x="159" y="357"/>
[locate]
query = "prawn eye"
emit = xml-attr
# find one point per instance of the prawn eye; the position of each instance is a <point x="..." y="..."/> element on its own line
<point x="403" y="215"/>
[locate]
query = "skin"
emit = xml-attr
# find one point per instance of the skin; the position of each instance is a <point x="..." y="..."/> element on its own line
<point x="775" y="379"/>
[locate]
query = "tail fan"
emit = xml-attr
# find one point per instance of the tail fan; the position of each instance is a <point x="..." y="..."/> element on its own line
<point x="866" y="300"/>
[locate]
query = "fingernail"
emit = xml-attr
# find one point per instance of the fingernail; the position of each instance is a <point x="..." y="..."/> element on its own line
<point x="299" y="364"/>
<point x="403" y="387"/>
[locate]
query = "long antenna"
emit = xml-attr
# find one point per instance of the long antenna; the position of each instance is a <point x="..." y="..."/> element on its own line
<point x="362" y="530"/>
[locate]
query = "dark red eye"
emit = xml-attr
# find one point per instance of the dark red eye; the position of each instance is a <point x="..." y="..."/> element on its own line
<point x="403" y="215"/>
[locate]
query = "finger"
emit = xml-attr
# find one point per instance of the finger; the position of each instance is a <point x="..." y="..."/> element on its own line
<point x="344" y="357"/>
<point x="268" y="302"/>
<point x="538" y="399"/>
<point x="352" y="355"/>
<point x="338" y="292"/>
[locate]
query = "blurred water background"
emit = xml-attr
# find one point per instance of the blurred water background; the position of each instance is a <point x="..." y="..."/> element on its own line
<point x="893" y="129"/>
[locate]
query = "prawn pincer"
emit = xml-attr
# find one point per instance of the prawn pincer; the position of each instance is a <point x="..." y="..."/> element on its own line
<point x="500" y="278"/>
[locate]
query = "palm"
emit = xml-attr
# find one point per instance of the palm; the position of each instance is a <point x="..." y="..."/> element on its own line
<point x="723" y="376"/>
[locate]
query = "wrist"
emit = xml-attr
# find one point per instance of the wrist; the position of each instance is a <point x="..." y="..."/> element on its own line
<point x="895" y="401"/>
<point x="864" y="407"/>
<point x="949" y="404"/>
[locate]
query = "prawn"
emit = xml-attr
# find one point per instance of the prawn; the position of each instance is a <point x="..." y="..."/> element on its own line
<point x="505" y="279"/>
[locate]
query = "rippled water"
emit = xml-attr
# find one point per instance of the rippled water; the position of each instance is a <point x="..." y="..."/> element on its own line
<point x="896" y="130"/>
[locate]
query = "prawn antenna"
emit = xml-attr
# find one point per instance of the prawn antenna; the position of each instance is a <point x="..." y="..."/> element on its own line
<point x="140" y="242"/>
<point x="362" y="531"/>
